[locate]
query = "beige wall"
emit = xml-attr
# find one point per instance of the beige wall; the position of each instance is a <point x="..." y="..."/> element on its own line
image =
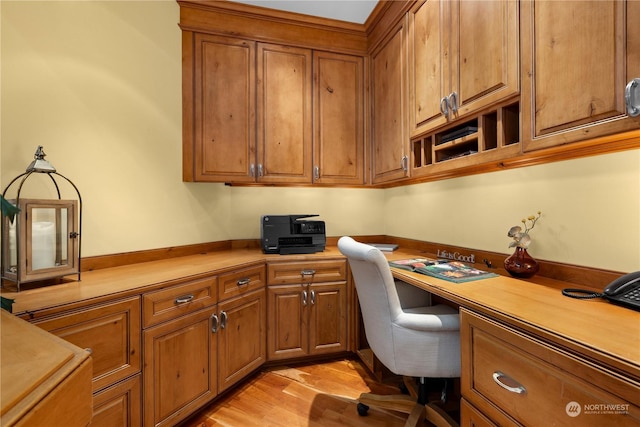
<point x="98" y="85"/>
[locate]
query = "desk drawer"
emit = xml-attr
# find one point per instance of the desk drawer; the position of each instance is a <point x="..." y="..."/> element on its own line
<point x="178" y="300"/>
<point x="516" y="379"/>
<point x="241" y="282"/>
<point x="287" y="273"/>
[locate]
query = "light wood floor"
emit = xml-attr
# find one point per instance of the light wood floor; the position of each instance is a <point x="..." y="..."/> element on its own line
<point x="306" y="395"/>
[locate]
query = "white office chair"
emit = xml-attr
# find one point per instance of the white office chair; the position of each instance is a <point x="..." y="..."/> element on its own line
<point x="406" y="333"/>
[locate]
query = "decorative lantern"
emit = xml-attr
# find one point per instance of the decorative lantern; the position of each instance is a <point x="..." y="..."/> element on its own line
<point x="41" y="241"/>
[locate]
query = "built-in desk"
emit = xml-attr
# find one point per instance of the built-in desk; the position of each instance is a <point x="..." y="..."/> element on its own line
<point x="568" y="347"/>
<point x="563" y="351"/>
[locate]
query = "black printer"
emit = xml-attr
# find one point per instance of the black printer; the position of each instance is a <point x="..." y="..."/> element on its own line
<point x="291" y="234"/>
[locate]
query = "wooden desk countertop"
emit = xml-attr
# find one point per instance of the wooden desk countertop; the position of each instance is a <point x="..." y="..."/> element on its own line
<point x="595" y="329"/>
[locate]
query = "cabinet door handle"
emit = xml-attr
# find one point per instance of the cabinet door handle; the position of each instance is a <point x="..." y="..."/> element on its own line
<point x="508" y="383"/>
<point x="214" y="323"/>
<point x="304" y="297"/>
<point x="444" y="107"/>
<point x="183" y="300"/>
<point x="223" y="320"/>
<point x="260" y="170"/>
<point x="307" y="272"/>
<point x="632" y="97"/>
<point x="243" y="282"/>
<point x="404" y="163"/>
<point x="313" y="297"/>
<point x="316" y="173"/>
<point x="252" y="170"/>
<point x="453" y="102"/>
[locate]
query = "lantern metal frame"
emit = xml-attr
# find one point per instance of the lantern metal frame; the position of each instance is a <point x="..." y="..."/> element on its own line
<point x="39" y="165"/>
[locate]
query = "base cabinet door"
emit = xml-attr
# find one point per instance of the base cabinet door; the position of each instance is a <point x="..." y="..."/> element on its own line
<point x="328" y="318"/>
<point x="118" y="405"/>
<point x="180" y="359"/>
<point x="287" y="336"/>
<point x="241" y="337"/>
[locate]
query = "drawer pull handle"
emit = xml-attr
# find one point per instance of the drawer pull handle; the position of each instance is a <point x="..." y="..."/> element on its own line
<point x="243" y="282"/>
<point x="89" y="350"/>
<point x="183" y="300"/>
<point x="508" y="383"/>
<point x="308" y="272"/>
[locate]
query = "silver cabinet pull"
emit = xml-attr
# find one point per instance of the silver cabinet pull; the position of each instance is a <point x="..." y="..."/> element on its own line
<point x="183" y="300"/>
<point x="252" y="170"/>
<point x="307" y="272"/>
<point x="223" y="320"/>
<point x="444" y="107"/>
<point x="632" y="97"/>
<point x="313" y="297"/>
<point x="304" y="297"/>
<point x="316" y="173"/>
<point x="453" y="102"/>
<point x="404" y="163"/>
<point x="243" y="282"/>
<point x="508" y="383"/>
<point x="214" y="323"/>
<point x="260" y="170"/>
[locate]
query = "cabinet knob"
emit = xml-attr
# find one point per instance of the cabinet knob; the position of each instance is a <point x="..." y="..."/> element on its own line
<point x="508" y="383"/>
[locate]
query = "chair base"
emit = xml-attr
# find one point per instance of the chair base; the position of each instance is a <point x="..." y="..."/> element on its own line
<point x="407" y="404"/>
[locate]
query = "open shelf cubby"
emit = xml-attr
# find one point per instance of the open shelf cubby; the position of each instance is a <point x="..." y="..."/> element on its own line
<point x="487" y="131"/>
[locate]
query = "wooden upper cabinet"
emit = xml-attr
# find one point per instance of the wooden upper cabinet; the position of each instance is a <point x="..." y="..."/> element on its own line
<point x="284" y="114"/>
<point x="390" y="145"/>
<point x="338" y="148"/>
<point x="464" y="56"/>
<point x="219" y="144"/>
<point x="578" y="56"/>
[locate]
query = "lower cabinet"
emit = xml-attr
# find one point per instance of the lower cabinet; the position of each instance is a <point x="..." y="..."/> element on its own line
<point x="195" y="353"/>
<point x="111" y="333"/>
<point x="513" y="378"/>
<point x="180" y="359"/>
<point x="306" y="318"/>
<point x="118" y="405"/>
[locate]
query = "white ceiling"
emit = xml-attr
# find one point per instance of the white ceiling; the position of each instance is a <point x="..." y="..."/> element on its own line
<point x="345" y="10"/>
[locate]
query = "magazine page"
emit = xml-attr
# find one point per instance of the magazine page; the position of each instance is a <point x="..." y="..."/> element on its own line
<point x="454" y="272"/>
<point x="412" y="264"/>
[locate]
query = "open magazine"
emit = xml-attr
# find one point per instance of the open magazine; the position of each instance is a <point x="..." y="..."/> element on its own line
<point x="452" y="271"/>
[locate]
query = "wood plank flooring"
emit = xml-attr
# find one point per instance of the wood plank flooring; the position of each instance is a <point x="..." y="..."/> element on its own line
<point x="302" y="395"/>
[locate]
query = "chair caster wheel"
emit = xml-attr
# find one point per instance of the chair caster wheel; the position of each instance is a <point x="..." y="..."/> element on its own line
<point x="362" y="409"/>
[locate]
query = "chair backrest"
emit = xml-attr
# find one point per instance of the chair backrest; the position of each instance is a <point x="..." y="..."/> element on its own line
<point x="379" y="301"/>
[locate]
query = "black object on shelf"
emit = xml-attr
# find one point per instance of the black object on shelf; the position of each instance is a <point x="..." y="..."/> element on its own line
<point x="458" y="133"/>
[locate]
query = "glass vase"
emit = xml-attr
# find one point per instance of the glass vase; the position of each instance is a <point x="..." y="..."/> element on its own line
<point x="521" y="264"/>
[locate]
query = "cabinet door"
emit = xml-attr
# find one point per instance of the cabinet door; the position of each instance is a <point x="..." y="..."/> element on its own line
<point x="284" y="114"/>
<point x="118" y="405"/>
<point x="485" y="52"/>
<point x="338" y="119"/>
<point x="577" y="58"/>
<point x="241" y="337"/>
<point x="180" y="367"/>
<point x="390" y="146"/>
<point x="429" y="30"/>
<point x="224" y="110"/>
<point x="287" y="319"/>
<point x="327" y="318"/>
<point x="111" y="332"/>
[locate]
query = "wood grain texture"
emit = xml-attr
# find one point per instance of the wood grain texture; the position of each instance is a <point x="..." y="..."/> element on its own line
<point x="309" y="395"/>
